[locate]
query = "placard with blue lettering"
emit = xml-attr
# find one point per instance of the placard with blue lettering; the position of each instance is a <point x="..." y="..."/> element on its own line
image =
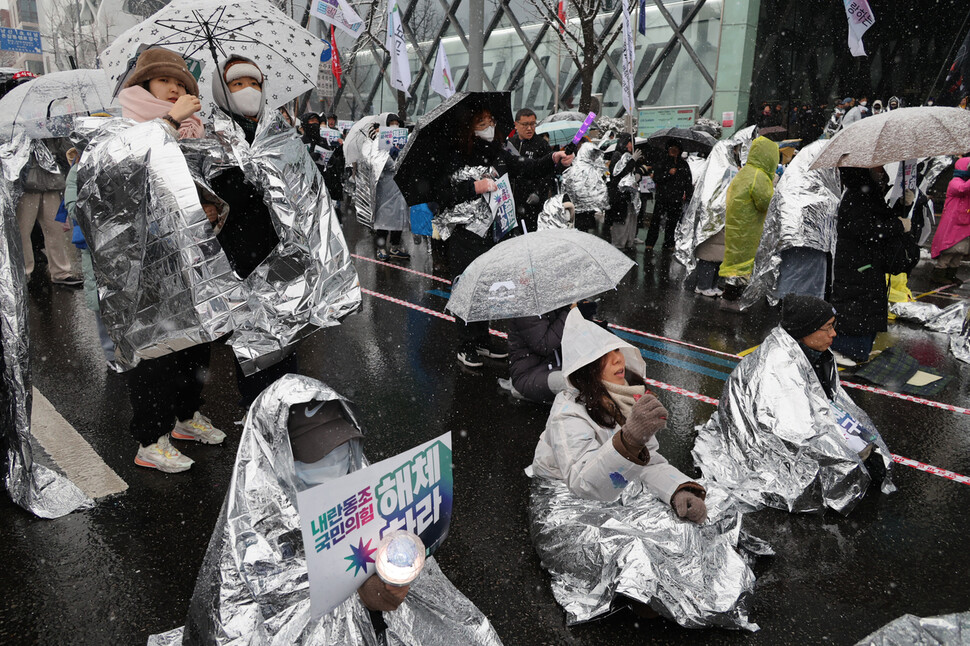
<point x="343" y="521"/>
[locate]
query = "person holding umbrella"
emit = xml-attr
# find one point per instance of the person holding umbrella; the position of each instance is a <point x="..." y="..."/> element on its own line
<point x="872" y="242"/>
<point x="675" y="186"/>
<point x="477" y="159"/>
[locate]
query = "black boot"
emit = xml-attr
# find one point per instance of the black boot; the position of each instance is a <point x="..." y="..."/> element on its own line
<point x="951" y="275"/>
<point x="938" y="276"/>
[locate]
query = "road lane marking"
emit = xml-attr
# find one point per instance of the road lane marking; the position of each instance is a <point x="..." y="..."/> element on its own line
<point x="927" y="468"/>
<point x="71" y="452"/>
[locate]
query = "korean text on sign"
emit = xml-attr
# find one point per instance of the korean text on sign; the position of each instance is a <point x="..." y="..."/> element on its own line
<point x="410" y="497"/>
<point x="330" y="527"/>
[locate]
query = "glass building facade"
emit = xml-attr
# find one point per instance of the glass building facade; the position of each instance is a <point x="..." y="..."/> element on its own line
<point x="675" y="63"/>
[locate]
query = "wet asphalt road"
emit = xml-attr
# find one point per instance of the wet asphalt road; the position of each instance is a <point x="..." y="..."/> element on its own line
<point x="126" y="569"/>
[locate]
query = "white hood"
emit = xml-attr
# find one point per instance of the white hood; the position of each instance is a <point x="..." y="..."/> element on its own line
<point x="584" y="342"/>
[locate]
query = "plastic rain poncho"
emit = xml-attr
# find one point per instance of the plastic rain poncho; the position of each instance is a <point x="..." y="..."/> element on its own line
<point x="748" y="197"/>
<point x="252" y="587"/>
<point x="603" y="525"/>
<point x="803" y="213"/>
<point x="775" y="438"/>
<point x="704" y="216"/>
<point x="32" y="486"/>
<point x="165" y="283"/>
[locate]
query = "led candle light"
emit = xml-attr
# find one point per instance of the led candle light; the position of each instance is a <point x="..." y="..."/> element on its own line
<point x="400" y="558"/>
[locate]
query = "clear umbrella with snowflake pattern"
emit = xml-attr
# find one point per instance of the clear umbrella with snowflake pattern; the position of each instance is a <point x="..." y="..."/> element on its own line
<point x="287" y="54"/>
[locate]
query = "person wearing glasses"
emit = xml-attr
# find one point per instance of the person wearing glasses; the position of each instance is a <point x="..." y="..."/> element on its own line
<point x="479" y="157"/>
<point x="530" y="192"/>
<point x="786" y="434"/>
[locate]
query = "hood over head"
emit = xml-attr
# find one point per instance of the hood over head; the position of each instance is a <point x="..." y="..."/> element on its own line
<point x="584" y="342"/>
<point x="220" y="89"/>
<point x="764" y="155"/>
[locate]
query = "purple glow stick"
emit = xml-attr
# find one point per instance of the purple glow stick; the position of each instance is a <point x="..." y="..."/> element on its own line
<point x="584" y="128"/>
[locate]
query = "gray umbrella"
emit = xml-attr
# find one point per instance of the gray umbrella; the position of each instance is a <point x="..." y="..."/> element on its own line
<point x="537" y="273"/>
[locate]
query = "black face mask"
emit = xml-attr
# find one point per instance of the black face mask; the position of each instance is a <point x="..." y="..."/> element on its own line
<point x="312" y="130"/>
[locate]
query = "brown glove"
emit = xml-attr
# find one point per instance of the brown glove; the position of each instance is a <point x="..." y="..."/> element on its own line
<point x="647" y="417"/>
<point x="689" y="505"/>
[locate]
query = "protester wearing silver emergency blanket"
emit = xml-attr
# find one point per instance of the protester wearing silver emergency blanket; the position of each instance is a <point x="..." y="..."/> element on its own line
<point x="803" y="213"/>
<point x="606" y="523"/>
<point x="475" y="214"/>
<point x="32" y="486"/>
<point x="705" y="216"/>
<point x="784" y="437"/>
<point x="164" y="281"/>
<point x="253" y="587"/>
<point x="584" y="182"/>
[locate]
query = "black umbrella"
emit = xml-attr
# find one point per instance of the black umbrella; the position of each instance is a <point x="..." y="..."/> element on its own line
<point x="433" y="142"/>
<point x="690" y="141"/>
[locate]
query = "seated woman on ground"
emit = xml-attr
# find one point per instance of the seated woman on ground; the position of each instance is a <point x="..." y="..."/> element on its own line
<point x="601" y="431"/>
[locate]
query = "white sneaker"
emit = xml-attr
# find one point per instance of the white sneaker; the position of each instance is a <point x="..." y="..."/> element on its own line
<point x="842" y="360"/>
<point x="163" y="456"/>
<point x="198" y="428"/>
<point x="713" y="292"/>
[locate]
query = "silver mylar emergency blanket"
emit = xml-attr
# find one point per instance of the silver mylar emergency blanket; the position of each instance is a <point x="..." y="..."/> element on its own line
<point x="774" y="439"/>
<point x="475" y="213"/>
<point x="252" y="587"/>
<point x="960" y="343"/>
<point x="945" y="630"/>
<point x="695" y="575"/>
<point x="554" y="215"/>
<point x="803" y="212"/>
<point x="948" y="320"/>
<point x="629" y="183"/>
<point x="705" y="215"/>
<point x="34" y="487"/>
<point x="584" y="182"/>
<point x="163" y="279"/>
<point x="367" y="173"/>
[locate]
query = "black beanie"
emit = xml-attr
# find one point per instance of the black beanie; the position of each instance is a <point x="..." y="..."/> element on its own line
<point x="801" y="315"/>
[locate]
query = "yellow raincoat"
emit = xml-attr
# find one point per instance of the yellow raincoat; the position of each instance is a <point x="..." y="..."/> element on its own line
<point x="748" y="196"/>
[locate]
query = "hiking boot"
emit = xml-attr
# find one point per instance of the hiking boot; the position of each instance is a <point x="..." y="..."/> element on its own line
<point x="951" y="275"/>
<point x="163" y="456"/>
<point x="469" y="357"/>
<point x="382" y="253"/>
<point x="198" y="428"/>
<point x="399" y="254"/>
<point x="490" y="349"/>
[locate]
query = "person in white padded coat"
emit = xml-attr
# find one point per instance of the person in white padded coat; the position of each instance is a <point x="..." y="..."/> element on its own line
<point x="601" y="431"/>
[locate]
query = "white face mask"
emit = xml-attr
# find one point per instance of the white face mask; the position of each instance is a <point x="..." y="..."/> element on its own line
<point x="488" y="134"/>
<point x="863" y="103"/>
<point x="246" y="101"/>
<point x="331" y="466"/>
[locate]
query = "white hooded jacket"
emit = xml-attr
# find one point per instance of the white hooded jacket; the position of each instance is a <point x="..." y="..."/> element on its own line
<point x="579" y="451"/>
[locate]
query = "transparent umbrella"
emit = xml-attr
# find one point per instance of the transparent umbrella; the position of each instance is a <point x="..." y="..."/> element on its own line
<point x="45" y="107"/>
<point x="287" y="54"/>
<point x="906" y="133"/>
<point x="537" y="273"/>
<point x="560" y="132"/>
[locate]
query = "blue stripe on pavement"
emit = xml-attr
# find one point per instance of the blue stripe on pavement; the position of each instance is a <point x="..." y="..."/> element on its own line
<point x="686" y="365"/>
<point x="676" y="349"/>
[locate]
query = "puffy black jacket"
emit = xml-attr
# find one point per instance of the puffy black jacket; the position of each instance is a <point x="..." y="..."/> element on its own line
<point x="535" y="350"/>
<point x="871" y="244"/>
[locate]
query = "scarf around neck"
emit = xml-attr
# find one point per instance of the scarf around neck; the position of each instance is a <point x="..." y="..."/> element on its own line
<point x="141" y="105"/>
<point x="624" y="396"/>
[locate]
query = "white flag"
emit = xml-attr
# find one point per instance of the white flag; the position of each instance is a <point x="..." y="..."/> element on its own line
<point x="441" y="82"/>
<point x="338" y="13"/>
<point x="627" y="62"/>
<point x="398" y="49"/>
<point x="860" y="19"/>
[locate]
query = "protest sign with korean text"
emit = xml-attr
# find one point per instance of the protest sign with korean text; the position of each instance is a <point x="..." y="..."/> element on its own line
<point x="343" y="520"/>
<point x="503" y="207"/>
<point x="388" y="138"/>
